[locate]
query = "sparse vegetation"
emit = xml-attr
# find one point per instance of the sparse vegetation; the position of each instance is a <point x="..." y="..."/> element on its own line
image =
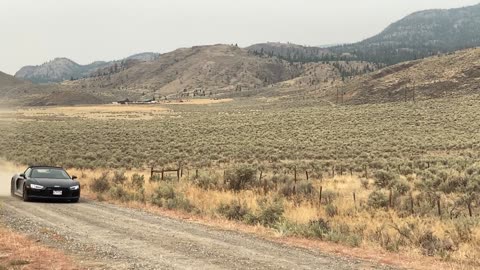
<point x="399" y="176"/>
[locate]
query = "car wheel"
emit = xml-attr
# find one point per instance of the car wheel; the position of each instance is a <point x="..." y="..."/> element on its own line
<point x="12" y="188"/>
<point x="25" y="194"/>
<point x="75" y="201"/>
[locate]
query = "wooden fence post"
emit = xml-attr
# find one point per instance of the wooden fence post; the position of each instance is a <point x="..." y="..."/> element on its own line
<point x="295" y="174"/>
<point x="162" y="174"/>
<point x="265" y="186"/>
<point x="438" y="207"/>
<point x="151" y="173"/>
<point x="411" y="203"/>
<point x="306" y="173"/>
<point x="320" y="196"/>
<point x="196" y="173"/>
<point x="354" y="200"/>
<point x="469" y="206"/>
<point x="390" y="199"/>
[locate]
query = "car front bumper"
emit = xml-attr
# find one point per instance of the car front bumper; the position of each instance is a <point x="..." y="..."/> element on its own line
<point x="47" y="193"/>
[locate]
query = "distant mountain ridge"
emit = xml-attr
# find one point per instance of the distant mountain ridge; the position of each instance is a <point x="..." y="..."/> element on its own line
<point x="289" y="51"/>
<point x="61" y="69"/>
<point x="419" y="35"/>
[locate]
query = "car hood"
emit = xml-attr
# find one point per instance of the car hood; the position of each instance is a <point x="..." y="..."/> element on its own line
<point x="46" y="182"/>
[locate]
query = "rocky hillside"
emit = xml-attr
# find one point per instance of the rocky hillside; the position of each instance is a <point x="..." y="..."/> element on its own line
<point x="195" y="71"/>
<point x="61" y="69"/>
<point x="419" y="35"/>
<point x="457" y="73"/>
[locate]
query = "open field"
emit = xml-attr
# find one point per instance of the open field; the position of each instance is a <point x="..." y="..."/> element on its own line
<point x="403" y="177"/>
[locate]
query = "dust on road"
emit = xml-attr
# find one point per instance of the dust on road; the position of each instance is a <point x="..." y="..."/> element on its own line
<point x="7" y="170"/>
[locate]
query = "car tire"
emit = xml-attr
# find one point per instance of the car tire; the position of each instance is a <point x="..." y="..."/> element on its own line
<point x="75" y="201"/>
<point x="12" y="188"/>
<point x="25" y="195"/>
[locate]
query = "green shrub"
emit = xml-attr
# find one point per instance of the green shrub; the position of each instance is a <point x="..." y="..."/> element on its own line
<point x="138" y="181"/>
<point x="118" y="192"/>
<point x="377" y="199"/>
<point x="318" y="228"/>
<point x="119" y="177"/>
<point x="430" y="244"/>
<point x="329" y="196"/>
<point x="206" y="182"/>
<point x="241" y="178"/>
<point x="270" y="212"/>
<point x="166" y="196"/>
<point x="101" y="184"/>
<point x="401" y="186"/>
<point x="331" y="210"/>
<point x="384" y="179"/>
<point x="235" y="210"/>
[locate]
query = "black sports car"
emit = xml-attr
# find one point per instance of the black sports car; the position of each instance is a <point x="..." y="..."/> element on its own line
<point x="41" y="182"/>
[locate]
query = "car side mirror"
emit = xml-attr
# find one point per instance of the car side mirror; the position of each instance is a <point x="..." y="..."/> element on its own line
<point x="74" y="177"/>
<point x="22" y="175"/>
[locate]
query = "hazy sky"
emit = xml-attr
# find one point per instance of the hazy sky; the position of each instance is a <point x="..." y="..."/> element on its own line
<point x="35" y="31"/>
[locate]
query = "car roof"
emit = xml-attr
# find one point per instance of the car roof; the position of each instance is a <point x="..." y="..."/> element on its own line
<point x="46" y="167"/>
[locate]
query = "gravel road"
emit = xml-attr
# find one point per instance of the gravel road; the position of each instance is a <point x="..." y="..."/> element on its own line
<point x="104" y="236"/>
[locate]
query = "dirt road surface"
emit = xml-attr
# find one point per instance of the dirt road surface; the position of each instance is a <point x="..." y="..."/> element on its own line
<point x="104" y="236"/>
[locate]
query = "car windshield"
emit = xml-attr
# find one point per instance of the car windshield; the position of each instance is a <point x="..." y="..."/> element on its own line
<point x="51" y="173"/>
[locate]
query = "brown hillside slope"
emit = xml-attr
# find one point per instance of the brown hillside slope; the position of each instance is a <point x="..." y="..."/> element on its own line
<point x="218" y="68"/>
<point x="439" y="76"/>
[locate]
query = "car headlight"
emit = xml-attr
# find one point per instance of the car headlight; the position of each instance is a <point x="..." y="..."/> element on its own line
<point x="77" y="187"/>
<point x="33" y="186"/>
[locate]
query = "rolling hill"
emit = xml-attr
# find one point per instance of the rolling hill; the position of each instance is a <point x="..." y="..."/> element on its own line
<point x="456" y="73"/>
<point x="61" y="69"/>
<point x="199" y="70"/>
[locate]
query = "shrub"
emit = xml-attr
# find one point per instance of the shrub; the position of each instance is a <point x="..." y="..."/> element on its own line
<point x="206" y="182"/>
<point x="240" y="178"/>
<point x="166" y="196"/>
<point x="365" y="183"/>
<point x="384" y="179"/>
<point x="155" y="178"/>
<point x="234" y="211"/>
<point x="329" y="196"/>
<point x="138" y="181"/>
<point x="430" y="244"/>
<point x="270" y="212"/>
<point x="401" y="186"/>
<point x="331" y="210"/>
<point x="318" y="228"/>
<point x="119" y="177"/>
<point x="118" y="192"/>
<point x="377" y="199"/>
<point x="100" y="184"/>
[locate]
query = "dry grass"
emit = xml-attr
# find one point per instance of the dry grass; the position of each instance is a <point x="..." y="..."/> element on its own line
<point x="138" y="112"/>
<point x="377" y="230"/>
<point x="19" y="252"/>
